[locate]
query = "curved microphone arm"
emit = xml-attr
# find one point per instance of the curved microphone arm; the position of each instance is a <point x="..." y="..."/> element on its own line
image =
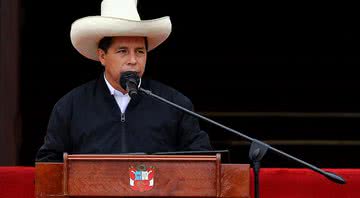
<point x="331" y="176"/>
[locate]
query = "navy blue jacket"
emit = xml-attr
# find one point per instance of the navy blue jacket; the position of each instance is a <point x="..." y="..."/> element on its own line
<point x="88" y="120"/>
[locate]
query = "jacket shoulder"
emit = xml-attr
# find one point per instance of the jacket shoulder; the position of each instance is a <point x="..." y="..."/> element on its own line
<point x="77" y="92"/>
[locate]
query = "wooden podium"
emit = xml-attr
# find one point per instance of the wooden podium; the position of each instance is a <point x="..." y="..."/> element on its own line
<point x="142" y="176"/>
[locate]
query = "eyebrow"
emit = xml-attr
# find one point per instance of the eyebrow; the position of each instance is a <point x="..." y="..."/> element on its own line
<point x="124" y="47"/>
<point x="121" y="47"/>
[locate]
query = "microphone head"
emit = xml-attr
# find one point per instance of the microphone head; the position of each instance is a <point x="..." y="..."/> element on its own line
<point x="129" y="77"/>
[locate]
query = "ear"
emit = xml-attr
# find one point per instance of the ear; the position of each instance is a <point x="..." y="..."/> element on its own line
<point x="101" y="54"/>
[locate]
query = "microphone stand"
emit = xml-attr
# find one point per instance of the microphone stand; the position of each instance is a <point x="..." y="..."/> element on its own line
<point x="257" y="150"/>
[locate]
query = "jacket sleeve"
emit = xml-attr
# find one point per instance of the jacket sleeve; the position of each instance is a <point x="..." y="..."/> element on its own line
<point x="57" y="140"/>
<point x="191" y="137"/>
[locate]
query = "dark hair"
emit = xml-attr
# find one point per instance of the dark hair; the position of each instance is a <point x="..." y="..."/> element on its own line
<point x="105" y="43"/>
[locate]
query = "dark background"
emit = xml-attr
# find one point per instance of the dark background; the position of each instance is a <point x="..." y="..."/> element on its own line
<point x="284" y="73"/>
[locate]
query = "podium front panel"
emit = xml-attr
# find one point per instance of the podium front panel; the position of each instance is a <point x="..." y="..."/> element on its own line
<point x="109" y="175"/>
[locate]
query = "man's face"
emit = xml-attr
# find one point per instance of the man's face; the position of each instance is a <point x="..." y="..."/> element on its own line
<point x="124" y="54"/>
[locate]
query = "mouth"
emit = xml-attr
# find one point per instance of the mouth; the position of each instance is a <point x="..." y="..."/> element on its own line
<point x="137" y="72"/>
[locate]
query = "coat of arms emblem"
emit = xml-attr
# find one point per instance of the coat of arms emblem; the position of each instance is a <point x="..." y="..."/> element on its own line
<point x="141" y="177"/>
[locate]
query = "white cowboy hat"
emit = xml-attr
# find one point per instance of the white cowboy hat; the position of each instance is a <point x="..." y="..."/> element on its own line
<point x="118" y="18"/>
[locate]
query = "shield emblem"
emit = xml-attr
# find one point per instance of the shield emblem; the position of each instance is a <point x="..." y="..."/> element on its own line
<point x="141" y="177"/>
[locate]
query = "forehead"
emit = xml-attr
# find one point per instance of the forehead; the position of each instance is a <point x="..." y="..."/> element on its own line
<point x="131" y="41"/>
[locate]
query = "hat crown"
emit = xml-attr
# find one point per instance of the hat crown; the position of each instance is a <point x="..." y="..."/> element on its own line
<point x="123" y="9"/>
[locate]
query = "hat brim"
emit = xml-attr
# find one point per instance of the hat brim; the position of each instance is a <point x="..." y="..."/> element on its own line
<point x="86" y="32"/>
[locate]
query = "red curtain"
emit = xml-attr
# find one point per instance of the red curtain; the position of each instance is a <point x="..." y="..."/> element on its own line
<point x="18" y="182"/>
<point x="305" y="183"/>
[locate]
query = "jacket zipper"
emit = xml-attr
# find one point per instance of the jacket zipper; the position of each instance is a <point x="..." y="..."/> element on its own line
<point x="122" y="117"/>
<point x="123" y="136"/>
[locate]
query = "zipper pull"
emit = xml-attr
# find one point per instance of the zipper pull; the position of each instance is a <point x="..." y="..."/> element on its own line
<point x="122" y="117"/>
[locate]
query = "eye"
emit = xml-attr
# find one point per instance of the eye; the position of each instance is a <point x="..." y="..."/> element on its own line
<point x="140" y="51"/>
<point x="122" y="51"/>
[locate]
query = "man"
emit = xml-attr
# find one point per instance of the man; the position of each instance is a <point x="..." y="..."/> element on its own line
<point x="99" y="117"/>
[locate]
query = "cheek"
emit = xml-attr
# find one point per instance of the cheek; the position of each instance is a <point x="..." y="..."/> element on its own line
<point x="143" y="63"/>
<point x="142" y="68"/>
<point x="114" y="70"/>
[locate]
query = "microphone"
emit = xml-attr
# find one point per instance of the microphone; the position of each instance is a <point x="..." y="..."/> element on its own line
<point x="258" y="148"/>
<point x="129" y="81"/>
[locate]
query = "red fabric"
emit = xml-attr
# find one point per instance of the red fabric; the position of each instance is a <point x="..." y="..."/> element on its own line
<point x="17" y="182"/>
<point x="301" y="183"/>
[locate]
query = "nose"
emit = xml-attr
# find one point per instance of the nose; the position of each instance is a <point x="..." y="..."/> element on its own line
<point x="132" y="58"/>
